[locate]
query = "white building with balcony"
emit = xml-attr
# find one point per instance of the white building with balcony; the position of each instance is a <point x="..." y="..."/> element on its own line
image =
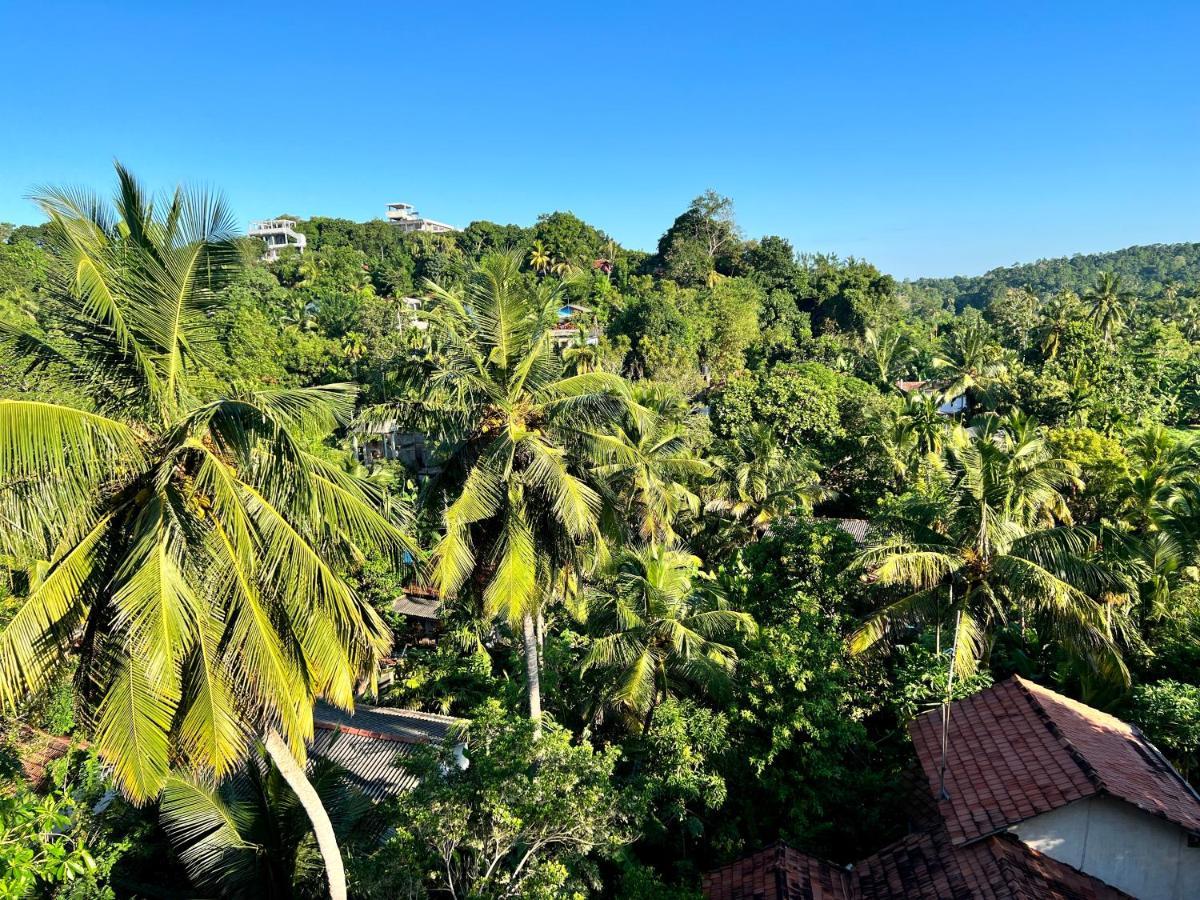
<point x="277" y="234"/>
<point x="407" y="219"/>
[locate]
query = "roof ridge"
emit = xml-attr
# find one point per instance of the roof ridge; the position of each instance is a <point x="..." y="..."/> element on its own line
<point x="1088" y="770"/>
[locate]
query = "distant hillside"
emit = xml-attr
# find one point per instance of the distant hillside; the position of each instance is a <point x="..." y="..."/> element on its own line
<point x="1147" y="269"/>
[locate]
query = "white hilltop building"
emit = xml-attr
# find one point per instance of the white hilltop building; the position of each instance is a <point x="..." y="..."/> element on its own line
<point x="277" y="234"/>
<point x="407" y="219"/>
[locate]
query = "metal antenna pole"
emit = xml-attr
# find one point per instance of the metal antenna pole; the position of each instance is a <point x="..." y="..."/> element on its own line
<point x="942" y="794"/>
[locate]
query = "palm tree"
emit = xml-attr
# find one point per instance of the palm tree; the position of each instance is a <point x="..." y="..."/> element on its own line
<point x="299" y="314"/>
<point x="517" y="510"/>
<point x="661" y="624"/>
<point x="760" y="484"/>
<point x="972" y="364"/>
<point x="1109" y="301"/>
<point x="582" y="356"/>
<point x="1057" y="316"/>
<point x="562" y="268"/>
<point x="885" y="353"/>
<point x="988" y="545"/>
<point x="539" y="258"/>
<point x="1158" y="515"/>
<point x="644" y="465"/>
<point x="354" y="346"/>
<point x="249" y="836"/>
<point x="187" y="548"/>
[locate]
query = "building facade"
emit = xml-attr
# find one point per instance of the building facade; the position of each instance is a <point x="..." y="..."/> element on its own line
<point x="407" y="219"/>
<point x="277" y="234"/>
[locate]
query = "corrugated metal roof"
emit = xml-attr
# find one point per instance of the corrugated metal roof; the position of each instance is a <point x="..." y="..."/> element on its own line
<point x="421" y="607"/>
<point x="856" y="528"/>
<point x="371" y="765"/>
<point x="369" y="742"/>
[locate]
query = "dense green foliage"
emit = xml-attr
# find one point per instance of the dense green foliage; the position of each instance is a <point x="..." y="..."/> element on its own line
<point x="666" y="649"/>
<point x="1151" y="270"/>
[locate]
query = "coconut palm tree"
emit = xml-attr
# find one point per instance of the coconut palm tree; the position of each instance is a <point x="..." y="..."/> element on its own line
<point x="515" y="502"/>
<point x="539" y="258"/>
<point x="760" y="484"/>
<point x="299" y="314"/>
<point x="1110" y="302"/>
<point x="186" y="548"/>
<point x="582" y="356"/>
<point x="660" y="624"/>
<point x="644" y="465"/>
<point x="971" y="364"/>
<point x="885" y="353"/>
<point x="1060" y="311"/>
<point x="249" y="836"/>
<point x="996" y="541"/>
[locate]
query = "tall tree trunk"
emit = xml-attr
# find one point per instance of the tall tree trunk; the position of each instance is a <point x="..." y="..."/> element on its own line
<point x="533" y="680"/>
<point x="293" y="774"/>
<point x="649" y="720"/>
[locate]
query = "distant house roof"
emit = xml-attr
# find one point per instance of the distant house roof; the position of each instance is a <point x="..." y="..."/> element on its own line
<point x="778" y="873"/>
<point x="856" y="528"/>
<point x="1018" y="750"/>
<point x="924" y="866"/>
<point x="417" y="603"/>
<point x="368" y="742"/>
<point x="928" y="867"/>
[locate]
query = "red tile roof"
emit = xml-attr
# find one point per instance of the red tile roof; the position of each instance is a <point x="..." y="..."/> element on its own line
<point x="924" y="866"/>
<point x="778" y="873"/>
<point x="1018" y="750"/>
<point x="929" y="867"/>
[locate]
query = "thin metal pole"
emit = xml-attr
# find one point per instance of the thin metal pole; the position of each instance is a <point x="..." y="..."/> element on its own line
<point x="942" y="794"/>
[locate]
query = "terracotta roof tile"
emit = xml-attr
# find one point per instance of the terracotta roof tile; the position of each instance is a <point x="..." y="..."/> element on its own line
<point x="777" y="873"/>
<point x="1017" y="750"/>
<point x="925" y="866"/>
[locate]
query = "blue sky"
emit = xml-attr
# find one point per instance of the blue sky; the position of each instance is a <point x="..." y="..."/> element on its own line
<point x="929" y="138"/>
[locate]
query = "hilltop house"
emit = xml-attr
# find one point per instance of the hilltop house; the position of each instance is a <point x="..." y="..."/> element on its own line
<point x="277" y="234"/>
<point x="1042" y="797"/>
<point x="407" y="219"/>
<point x="571" y="318"/>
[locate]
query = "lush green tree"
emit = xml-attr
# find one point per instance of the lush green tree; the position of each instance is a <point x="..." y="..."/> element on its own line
<point x="659" y="624"/>
<point x="44" y="844"/>
<point x="190" y="549"/>
<point x="1169" y="712"/>
<point x="701" y="240"/>
<point x="983" y="547"/>
<point x="845" y="295"/>
<point x="1110" y="302"/>
<point x="517" y="821"/>
<point x="728" y="326"/>
<point x="517" y="509"/>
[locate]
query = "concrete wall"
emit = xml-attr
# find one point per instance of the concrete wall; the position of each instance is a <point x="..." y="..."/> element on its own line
<point x="1120" y="844"/>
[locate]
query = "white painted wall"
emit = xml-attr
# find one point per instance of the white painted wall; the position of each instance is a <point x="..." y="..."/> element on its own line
<point x="1141" y="854"/>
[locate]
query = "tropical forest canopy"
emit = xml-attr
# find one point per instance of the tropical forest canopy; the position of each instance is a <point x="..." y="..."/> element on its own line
<point x="644" y="525"/>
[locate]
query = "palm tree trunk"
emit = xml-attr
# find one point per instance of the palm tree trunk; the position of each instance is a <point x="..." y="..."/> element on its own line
<point x="293" y="774"/>
<point x="649" y="720"/>
<point x="533" y="680"/>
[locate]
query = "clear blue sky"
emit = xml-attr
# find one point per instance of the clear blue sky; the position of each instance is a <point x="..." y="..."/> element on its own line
<point x="931" y="139"/>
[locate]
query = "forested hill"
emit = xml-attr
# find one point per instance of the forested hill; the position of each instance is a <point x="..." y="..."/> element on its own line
<point x="1147" y="269"/>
